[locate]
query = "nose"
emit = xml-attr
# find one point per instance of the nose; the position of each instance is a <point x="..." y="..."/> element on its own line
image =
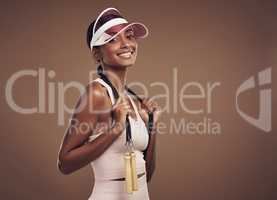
<point x="125" y="42"/>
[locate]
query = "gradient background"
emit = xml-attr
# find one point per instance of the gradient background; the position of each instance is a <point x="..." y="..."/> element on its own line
<point x="207" y="41"/>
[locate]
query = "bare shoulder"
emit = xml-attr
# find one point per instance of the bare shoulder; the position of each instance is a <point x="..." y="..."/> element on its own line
<point x="94" y="97"/>
<point x="96" y="93"/>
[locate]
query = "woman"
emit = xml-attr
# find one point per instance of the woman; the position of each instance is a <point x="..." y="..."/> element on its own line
<point x="115" y="119"/>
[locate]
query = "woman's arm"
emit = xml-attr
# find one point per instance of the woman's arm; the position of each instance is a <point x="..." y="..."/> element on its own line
<point x="73" y="158"/>
<point x="76" y="152"/>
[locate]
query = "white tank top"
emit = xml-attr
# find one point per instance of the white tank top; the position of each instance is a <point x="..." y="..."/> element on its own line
<point x="110" y="164"/>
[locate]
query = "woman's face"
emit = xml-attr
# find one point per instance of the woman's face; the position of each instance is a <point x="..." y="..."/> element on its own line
<point x="120" y="51"/>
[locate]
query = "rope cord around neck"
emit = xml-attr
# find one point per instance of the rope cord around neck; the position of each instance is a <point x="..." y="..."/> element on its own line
<point x="100" y="72"/>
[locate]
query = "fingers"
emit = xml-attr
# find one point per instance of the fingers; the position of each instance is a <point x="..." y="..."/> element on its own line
<point x="154" y="108"/>
<point x="120" y="102"/>
<point x="122" y="106"/>
<point x="151" y="105"/>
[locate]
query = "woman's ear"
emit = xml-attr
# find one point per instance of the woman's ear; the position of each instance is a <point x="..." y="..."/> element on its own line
<point x="96" y="54"/>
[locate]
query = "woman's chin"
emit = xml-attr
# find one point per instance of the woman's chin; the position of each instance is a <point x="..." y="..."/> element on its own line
<point x="121" y="63"/>
<point x="126" y="63"/>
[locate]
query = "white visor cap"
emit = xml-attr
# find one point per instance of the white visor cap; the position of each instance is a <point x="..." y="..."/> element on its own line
<point x="100" y="37"/>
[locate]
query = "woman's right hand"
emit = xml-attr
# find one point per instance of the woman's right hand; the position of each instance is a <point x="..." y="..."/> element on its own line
<point x="120" y="111"/>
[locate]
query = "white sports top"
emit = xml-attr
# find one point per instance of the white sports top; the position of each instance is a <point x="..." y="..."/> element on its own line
<point x="110" y="164"/>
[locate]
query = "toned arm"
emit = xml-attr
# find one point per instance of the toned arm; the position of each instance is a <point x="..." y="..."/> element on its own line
<point x="76" y="152"/>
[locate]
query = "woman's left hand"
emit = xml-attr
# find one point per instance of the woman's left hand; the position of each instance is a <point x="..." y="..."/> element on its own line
<point x="149" y="105"/>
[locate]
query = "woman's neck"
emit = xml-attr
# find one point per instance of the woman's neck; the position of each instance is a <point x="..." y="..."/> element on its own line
<point x="117" y="76"/>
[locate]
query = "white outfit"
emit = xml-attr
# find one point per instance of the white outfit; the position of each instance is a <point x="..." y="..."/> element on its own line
<point x="110" y="165"/>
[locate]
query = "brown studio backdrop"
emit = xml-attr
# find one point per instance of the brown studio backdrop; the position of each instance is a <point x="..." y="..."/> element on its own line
<point x="207" y="41"/>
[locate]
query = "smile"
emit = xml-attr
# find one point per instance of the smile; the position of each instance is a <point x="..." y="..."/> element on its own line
<point x="125" y="54"/>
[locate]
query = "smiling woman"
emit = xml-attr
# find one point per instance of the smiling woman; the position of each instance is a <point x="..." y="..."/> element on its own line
<point x="119" y="142"/>
<point x="113" y="53"/>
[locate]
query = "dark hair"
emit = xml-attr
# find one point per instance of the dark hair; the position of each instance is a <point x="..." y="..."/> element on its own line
<point x="90" y="33"/>
<point x="101" y="21"/>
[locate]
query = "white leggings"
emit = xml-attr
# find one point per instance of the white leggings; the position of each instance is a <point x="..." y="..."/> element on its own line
<point x="115" y="190"/>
